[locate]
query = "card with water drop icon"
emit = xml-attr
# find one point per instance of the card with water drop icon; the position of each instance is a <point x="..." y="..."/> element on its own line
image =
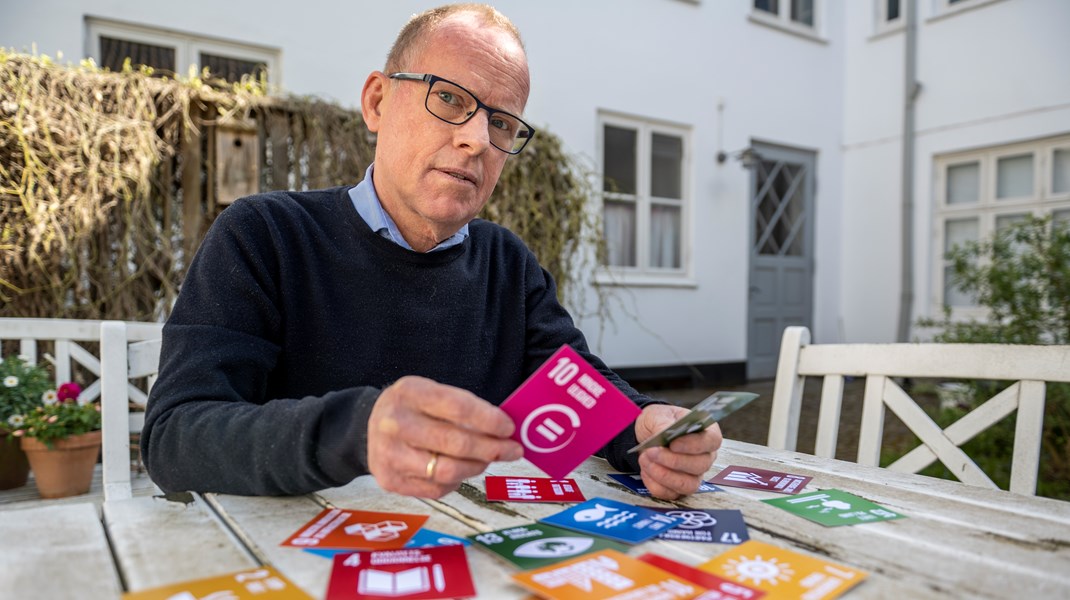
<point x="619" y="521"/>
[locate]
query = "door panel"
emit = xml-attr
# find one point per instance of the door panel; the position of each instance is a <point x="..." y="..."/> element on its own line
<point x="781" y="255"/>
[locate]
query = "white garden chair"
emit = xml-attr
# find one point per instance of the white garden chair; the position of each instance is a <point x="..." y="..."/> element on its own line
<point x="1029" y="367"/>
<point x="123" y="358"/>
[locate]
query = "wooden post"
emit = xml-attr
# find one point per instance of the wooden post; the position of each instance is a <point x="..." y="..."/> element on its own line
<point x="191" y="188"/>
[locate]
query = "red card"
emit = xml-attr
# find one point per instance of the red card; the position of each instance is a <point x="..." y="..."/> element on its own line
<point x="565" y="412"/>
<point x="532" y="489"/>
<point x="356" y="529"/>
<point x="761" y="479"/>
<point x="424" y="573"/>
<point x="717" y="588"/>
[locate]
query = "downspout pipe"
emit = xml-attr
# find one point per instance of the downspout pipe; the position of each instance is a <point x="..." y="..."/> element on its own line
<point x="911" y="88"/>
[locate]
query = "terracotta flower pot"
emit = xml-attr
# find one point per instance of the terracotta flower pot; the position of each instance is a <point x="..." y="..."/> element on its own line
<point x="66" y="469"/>
<point x="13" y="465"/>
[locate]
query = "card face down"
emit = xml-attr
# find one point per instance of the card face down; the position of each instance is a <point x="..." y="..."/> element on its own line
<point x="704" y="414"/>
<point x="565" y="412"/>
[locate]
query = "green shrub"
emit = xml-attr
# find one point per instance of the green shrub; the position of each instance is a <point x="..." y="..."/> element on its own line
<point x="1021" y="275"/>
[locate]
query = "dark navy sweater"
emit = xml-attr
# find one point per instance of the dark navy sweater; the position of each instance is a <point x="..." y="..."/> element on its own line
<point x="294" y="315"/>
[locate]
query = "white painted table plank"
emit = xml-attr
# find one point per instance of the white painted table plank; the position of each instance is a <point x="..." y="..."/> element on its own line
<point x="57" y="551"/>
<point x="160" y="541"/>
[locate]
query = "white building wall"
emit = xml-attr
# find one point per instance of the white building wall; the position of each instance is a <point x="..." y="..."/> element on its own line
<point x="992" y="73"/>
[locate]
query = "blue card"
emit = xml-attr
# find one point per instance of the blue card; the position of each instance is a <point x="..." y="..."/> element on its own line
<point x="429" y="538"/>
<point x="615" y="520"/>
<point x="424" y="538"/>
<point x="634" y="482"/>
<point x="706" y="525"/>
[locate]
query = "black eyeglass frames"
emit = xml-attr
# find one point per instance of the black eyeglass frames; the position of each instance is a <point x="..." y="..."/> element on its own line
<point x="454" y="104"/>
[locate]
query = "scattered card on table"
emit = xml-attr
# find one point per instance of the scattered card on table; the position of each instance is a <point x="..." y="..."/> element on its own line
<point x="718" y="587"/>
<point x="634" y="482"/>
<point x="415" y="573"/>
<point x="706" y="525"/>
<point x="704" y="414"/>
<point x="615" y="520"/>
<point x="262" y="582"/>
<point x="833" y="508"/>
<point x="784" y="573"/>
<point x="425" y="538"/>
<point x="565" y="412"/>
<point x="356" y="529"/>
<point x="606" y="574"/>
<point x="761" y="479"/>
<point x="539" y="544"/>
<point x="532" y="489"/>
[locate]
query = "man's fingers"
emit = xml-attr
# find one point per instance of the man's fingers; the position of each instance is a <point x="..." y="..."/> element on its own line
<point x="690" y="464"/>
<point x="455" y="405"/>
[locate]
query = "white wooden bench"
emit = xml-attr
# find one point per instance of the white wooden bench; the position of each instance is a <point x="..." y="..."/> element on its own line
<point x="127" y="350"/>
<point x="1028" y="367"/>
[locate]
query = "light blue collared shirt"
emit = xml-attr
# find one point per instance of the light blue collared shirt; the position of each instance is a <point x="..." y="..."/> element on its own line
<point x="368" y="206"/>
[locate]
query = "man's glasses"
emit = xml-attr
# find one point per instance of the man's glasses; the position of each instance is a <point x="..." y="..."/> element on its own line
<point x="456" y="105"/>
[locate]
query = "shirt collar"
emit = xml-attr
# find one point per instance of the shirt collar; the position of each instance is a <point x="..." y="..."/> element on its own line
<point x="366" y="201"/>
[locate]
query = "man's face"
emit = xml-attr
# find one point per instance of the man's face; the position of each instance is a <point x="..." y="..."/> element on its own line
<point x="433" y="177"/>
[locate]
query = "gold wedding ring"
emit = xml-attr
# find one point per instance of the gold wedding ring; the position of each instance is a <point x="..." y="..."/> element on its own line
<point x="430" y="471"/>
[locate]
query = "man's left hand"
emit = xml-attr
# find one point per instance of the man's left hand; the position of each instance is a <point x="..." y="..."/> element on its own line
<point x="677" y="470"/>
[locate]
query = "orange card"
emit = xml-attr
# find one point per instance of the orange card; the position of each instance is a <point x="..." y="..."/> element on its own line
<point x="356" y="530"/>
<point x="783" y="573"/>
<point x="603" y="575"/>
<point x="264" y="582"/>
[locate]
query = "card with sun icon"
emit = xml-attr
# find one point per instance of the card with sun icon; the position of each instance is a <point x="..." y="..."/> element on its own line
<point x="783" y="573"/>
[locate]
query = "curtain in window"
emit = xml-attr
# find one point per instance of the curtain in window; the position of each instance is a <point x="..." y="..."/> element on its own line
<point x="619" y="224"/>
<point x="665" y="237"/>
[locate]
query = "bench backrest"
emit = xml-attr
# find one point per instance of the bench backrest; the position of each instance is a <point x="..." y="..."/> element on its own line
<point x="1028" y="367"/>
<point x="123" y="359"/>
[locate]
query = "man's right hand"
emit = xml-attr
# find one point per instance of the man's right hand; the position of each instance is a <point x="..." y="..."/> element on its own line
<point x="425" y="438"/>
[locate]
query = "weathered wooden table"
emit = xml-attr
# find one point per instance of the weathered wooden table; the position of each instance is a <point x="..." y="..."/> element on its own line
<point x="957" y="542"/>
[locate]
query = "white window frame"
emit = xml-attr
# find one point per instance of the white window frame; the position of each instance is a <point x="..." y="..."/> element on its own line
<point x="188" y="46"/>
<point x="988" y="209"/>
<point x="945" y="8"/>
<point x="783" y="21"/>
<point x="881" y="23"/>
<point x="643" y="274"/>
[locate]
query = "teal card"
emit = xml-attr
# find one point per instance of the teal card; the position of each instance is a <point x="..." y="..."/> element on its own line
<point x="833" y="508"/>
<point x="538" y="545"/>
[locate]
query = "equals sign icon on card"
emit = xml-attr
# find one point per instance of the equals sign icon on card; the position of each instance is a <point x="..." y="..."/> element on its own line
<point x="550" y="429"/>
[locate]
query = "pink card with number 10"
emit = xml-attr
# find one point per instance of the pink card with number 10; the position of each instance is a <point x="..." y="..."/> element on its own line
<point x="565" y="412"/>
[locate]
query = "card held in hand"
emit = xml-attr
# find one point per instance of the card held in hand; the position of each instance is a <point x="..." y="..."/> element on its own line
<point x="565" y="412"/>
<point x="704" y="414"/>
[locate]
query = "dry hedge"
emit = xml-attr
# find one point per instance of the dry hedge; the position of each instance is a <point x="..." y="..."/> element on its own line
<point x="100" y="210"/>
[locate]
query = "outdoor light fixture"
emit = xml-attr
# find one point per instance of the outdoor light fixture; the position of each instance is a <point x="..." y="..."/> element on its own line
<point x="748" y="157"/>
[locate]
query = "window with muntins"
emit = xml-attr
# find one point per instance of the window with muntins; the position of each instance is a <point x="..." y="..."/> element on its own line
<point x="797" y="13"/>
<point x="644" y="196"/>
<point x="982" y="192"/>
<point x="112" y="43"/>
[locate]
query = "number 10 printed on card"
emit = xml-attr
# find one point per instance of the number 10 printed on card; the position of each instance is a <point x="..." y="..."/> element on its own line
<point x="565" y="412"/>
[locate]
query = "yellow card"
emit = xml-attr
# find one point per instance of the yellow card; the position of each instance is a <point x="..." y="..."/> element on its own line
<point x="782" y="573"/>
<point x="604" y="575"/>
<point x="262" y="583"/>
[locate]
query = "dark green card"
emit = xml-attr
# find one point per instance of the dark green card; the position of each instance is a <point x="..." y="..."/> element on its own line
<point x="537" y="545"/>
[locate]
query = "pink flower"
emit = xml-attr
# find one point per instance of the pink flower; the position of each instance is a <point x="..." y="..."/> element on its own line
<point x="68" y="391"/>
<point x="53" y="418"/>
